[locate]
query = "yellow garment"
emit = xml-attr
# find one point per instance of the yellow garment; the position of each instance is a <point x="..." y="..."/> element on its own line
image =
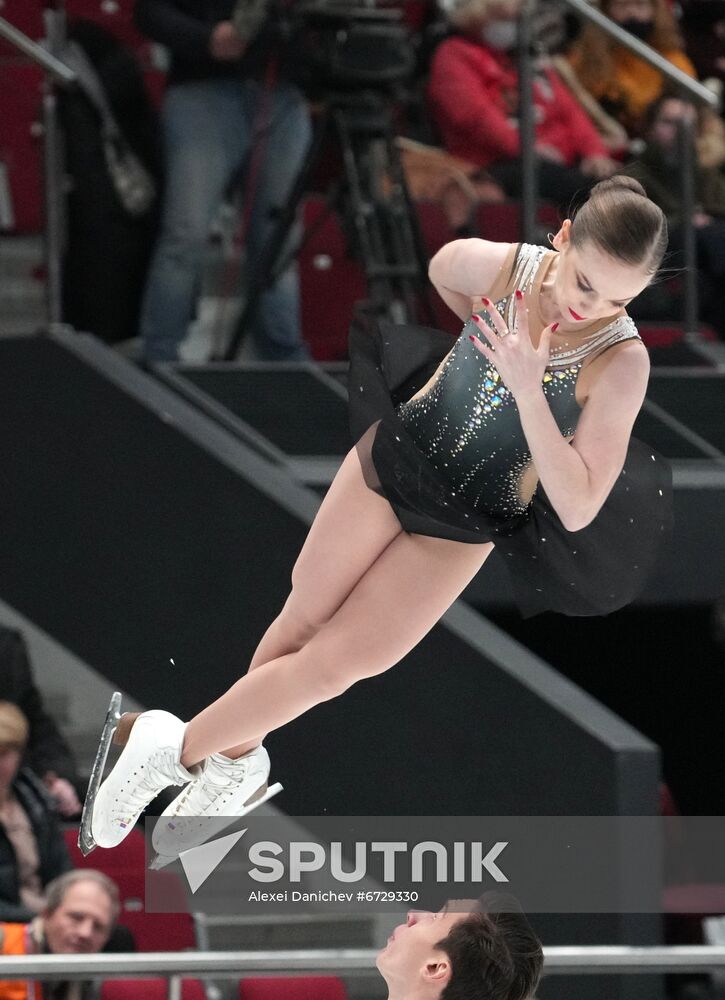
<point x="634" y="84"/>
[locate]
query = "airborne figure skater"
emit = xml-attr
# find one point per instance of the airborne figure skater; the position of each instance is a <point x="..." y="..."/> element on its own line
<point x="518" y="435"/>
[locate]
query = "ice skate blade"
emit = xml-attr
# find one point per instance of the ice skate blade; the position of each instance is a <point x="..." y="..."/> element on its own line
<point x="86" y="843"/>
<point x="160" y="861"/>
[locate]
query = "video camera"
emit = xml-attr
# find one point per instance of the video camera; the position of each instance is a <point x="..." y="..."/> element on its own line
<point x="335" y="44"/>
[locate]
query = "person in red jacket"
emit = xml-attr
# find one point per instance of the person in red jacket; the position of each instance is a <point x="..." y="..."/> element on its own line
<point x="473" y="96"/>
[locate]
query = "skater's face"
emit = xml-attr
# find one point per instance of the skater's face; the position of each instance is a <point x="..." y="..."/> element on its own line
<point x="9" y="763"/>
<point x="83" y="922"/>
<point x="411" y="961"/>
<point x="590" y="284"/>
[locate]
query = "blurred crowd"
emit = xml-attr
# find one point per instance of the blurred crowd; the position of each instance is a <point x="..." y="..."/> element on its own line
<point x="46" y="905"/>
<point x="236" y="125"/>
<point x="599" y="109"/>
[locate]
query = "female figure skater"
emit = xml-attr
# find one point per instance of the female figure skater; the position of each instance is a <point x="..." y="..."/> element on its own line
<point x="543" y="386"/>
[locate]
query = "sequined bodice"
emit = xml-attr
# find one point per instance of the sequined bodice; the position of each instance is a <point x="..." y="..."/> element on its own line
<point x="468" y="423"/>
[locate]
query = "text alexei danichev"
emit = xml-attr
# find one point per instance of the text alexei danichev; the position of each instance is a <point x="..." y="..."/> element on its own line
<point x="323" y="896"/>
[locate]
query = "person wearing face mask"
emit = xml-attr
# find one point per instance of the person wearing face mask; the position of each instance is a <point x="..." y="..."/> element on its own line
<point x="473" y="93"/>
<point x="622" y="83"/>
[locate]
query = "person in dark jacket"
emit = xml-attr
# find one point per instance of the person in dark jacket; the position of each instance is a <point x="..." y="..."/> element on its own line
<point x="32" y="848"/>
<point x="658" y="168"/>
<point x="47" y="753"/>
<point x="230" y="107"/>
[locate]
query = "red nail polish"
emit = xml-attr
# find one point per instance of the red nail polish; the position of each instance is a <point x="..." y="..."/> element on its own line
<point x="486" y="302"/>
<point x="472" y="339"/>
<point x="554" y="327"/>
<point x="519" y="294"/>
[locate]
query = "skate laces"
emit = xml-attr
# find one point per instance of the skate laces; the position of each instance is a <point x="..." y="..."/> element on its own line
<point x="220" y="775"/>
<point x="217" y="779"/>
<point x="158" y="773"/>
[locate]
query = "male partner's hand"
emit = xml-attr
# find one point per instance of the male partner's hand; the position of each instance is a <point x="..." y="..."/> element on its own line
<point x="518" y="362"/>
<point x="225" y="43"/>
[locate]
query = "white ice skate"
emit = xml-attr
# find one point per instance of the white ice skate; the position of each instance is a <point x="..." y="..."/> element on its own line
<point x="224" y="791"/>
<point x="149" y="762"/>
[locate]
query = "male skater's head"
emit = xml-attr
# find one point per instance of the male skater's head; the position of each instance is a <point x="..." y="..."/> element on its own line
<point x="466" y="951"/>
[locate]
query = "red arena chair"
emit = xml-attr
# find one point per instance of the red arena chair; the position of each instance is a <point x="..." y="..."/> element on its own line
<point x="293" y="988"/>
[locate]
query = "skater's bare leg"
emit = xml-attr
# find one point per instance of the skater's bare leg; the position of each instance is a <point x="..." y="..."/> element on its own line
<point x="351" y="529"/>
<point x="395" y="603"/>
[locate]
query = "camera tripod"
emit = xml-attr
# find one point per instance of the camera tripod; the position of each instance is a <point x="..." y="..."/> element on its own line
<point x="373" y="200"/>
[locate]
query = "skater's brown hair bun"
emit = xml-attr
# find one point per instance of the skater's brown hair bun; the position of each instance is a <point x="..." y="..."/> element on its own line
<point x="494" y="953"/>
<point x="13" y="726"/>
<point x="621" y="221"/>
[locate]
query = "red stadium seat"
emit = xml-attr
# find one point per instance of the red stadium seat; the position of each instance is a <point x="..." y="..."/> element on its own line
<point x="26" y="16"/>
<point x="115" y="16"/>
<point x="149" y="989"/>
<point x="126" y="865"/>
<point x="293" y="988"/>
<point x="20" y="149"/>
<point x="330" y="283"/>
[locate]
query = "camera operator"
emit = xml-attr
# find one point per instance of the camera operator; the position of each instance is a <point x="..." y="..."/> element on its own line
<point x="230" y="107"/>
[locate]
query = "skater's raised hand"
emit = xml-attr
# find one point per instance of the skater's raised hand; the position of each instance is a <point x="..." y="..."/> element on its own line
<point x="518" y="362"/>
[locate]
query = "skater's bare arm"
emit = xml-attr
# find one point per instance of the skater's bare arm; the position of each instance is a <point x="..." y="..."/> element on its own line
<point x="464" y="270"/>
<point x="577" y="477"/>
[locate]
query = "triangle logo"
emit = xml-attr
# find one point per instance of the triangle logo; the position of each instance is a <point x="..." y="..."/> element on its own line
<point x="199" y="862"/>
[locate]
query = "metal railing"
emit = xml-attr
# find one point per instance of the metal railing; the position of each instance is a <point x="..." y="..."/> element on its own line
<point x="558" y="961"/>
<point x="680" y="80"/>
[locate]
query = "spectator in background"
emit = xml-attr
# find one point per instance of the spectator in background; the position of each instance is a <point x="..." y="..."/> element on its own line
<point x="229" y="106"/>
<point x="47" y="753"/>
<point x="473" y="93"/>
<point x="620" y="81"/>
<point x="32" y="848"/>
<point x="657" y="168"/>
<point x="78" y="919"/>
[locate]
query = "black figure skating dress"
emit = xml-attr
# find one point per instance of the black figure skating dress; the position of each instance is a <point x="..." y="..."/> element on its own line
<point x="450" y="462"/>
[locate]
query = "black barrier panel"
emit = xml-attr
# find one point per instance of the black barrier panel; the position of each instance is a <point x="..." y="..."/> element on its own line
<point x="300" y="409"/>
<point x="309" y="419"/>
<point x="667" y="440"/>
<point x="297" y="411"/>
<point x="695" y="400"/>
<point x="127" y="540"/>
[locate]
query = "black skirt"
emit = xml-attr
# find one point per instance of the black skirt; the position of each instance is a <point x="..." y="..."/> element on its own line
<point x="594" y="571"/>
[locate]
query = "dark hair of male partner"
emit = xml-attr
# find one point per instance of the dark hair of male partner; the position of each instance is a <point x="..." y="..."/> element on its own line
<point x="620" y="220"/>
<point x="494" y="956"/>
